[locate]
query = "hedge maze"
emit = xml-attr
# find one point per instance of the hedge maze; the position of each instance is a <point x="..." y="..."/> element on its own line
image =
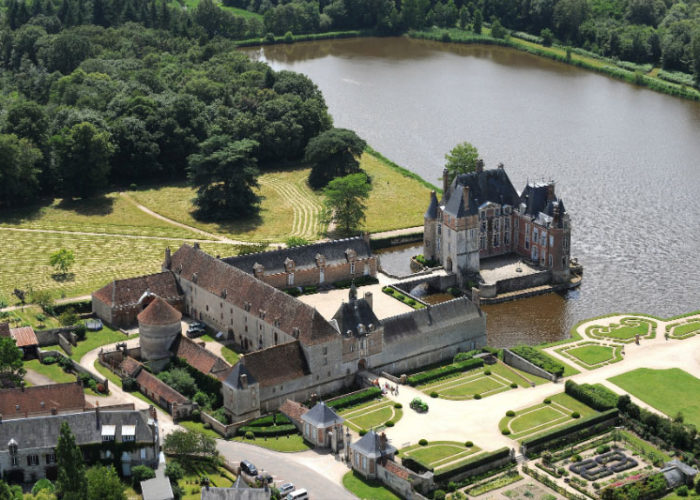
<point x="684" y="329"/>
<point x="607" y="464"/>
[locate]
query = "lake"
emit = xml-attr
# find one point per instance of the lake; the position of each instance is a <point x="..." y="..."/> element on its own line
<point x="625" y="159"/>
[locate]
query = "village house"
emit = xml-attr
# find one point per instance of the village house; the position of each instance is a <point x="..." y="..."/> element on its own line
<point x="310" y="265"/>
<point x="22" y="402"/>
<point x="28" y="445"/>
<point x="481" y="215"/>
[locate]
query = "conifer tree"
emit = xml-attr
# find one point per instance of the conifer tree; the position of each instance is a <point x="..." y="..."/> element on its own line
<point x="71" y="483"/>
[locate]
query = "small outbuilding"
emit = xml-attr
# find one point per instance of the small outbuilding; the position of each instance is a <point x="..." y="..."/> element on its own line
<point x="369" y="451"/>
<point x="323" y="427"/>
<point x="25" y="338"/>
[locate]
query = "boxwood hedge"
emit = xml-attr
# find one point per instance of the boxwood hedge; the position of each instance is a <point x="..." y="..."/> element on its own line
<point x="539" y="359"/>
<point x="443" y="371"/>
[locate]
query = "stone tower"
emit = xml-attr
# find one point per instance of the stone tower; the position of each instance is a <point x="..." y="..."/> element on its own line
<point x="159" y="326"/>
<point x="430" y="248"/>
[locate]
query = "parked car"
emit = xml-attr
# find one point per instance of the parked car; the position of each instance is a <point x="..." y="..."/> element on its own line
<point x="300" y="494"/>
<point x="419" y="405"/>
<point x="193" y="334"/>
<point x="286" y="488"/>
<point x="249" y="468"/>
<point x="264" y="478"/>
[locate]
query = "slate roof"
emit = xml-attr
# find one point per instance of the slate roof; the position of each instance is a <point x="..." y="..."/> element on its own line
<point x="535" y="198"/>
<point x="14" y="403"/>
<point x="368" y="445"/>
<point x="216" y="276"/>
<point x="198" y="357"/>
<point x="239" y="492"/>
<point x="154" y="385"/>
<point x="24" y="336"/>
<point x="321" y="416"/>
<point x="431" y="213"/>
<point x="272" y="366"/>
<point x="157" y="488"/>
<point x="128" y="291"/>
<point x="424" y="321"/>
<point x="159" y="312"/>
<point x="488" y="185"/>
<point x="43" y="432"/>
<point x="304" y="257"/>
<point x="353" y="313"/>
<point x="4" y="329"/>
<point x="686" y="469"/>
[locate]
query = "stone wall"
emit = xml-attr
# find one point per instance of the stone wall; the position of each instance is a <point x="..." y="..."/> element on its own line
<point x="223" y="429"/>
<point x="65" y="345"/>
<point x="440" y="282"/>
<point x="402" y="487"/>
<point x="512" y="359"/>
<point x="485" y="467"/>
<point x="521" y="282"/>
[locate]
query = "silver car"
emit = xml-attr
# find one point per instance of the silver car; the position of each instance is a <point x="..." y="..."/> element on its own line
<point x="286" y="488"/>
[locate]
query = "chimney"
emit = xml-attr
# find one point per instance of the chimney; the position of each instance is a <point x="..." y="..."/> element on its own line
<point x="54" y="411"/>
<point x="97" y="414"/>
<point x="365" y="236"/>
<point x="244" y="380"/>
<point x="501" y="166"/>
<point x="465" y="197"/>
<point x="550" y="191"/>
<point x="368" y="298"/>
<point x="445" y="182"/>
<point x="196" y="245"/>
<point x="152" y="412"/>
<point x="382" y="441"/>
<point x="168" y="261"/>
<point x="479" y="166"/>
<point x="555" y="215"/>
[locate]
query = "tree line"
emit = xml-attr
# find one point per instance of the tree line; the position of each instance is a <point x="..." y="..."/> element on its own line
<point x="90" y="106"/>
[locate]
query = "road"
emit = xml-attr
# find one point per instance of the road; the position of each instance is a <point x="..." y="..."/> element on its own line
<point x="319" y="473"/>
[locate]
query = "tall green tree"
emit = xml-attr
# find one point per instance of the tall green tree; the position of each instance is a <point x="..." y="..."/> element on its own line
<point x="103" y="483"/>
<point x="11" y="365"/>
<point x="695" y="53"/>
<point x="225" y="174"/>
<point x="345" y="202"/>
<point x="189" y="443"/>
<point x="82" y="154"/>
<point x="478" y="21"/>
<point x="19" y="173"/>
<point x="333" y="153"/>
<point x="62" y="260"/>
<point x="462" y="159"/>
<point x="71" y="483"/>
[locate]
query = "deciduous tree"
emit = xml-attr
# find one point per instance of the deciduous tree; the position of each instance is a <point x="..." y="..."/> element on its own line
<point x="462" y="159"/>
<point x="103" y="483"/>
<point x="11" y="366"/>
<point x="344" y="202"/>
<point x="18" y="170"/>
<point x="333" y="153"/>
<point x="62" y="260"/>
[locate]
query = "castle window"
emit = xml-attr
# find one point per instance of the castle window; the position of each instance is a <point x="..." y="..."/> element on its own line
<point x="496" y="225"/>
<point x="496" y="240"/>
<point x="527" y="245"/>
<point x="551" y="240"/>
<point x="482" y="242"/>
<point x="506" y="238"/>
<point x="483" y="227"/>
<point x="551" y="260"/>
<point x="352" y="268"/>
<point x="482" y="215"/>
<point x="439" y="229"/>
<point x="207" y="307"/>
<point x="544" y="239"/>
<point x="32" y="460"/>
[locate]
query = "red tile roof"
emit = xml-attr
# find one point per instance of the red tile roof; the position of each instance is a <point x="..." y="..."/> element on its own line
<point x="24" y="336"/>
<point x="293" y="410"/>
<point x="129" y="291"/>
<point x="276" y="365"/>
<point x="198" y="357"/>
<point x="4" y="329"/>
<point x="41" y="398"/>
<point x="159" y="312"/>
<point x="130" y="366"/>
<point x="396" y="469"/>
<point x="241" y="288"/>
<point x="153" y="385"/>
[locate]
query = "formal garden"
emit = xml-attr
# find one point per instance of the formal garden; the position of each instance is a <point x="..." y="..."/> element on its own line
<point x="374" y="414"/>
<point x="591" y="355"/>
<point x="555" y="411"/>
<point x="683" y="329"/>
<point x="436" y="455"/>
<point x="625" y="331"/>
<point x="666" y="390"/>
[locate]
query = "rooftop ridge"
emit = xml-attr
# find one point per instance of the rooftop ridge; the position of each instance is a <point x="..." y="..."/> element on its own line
<point x="280" y="250"/>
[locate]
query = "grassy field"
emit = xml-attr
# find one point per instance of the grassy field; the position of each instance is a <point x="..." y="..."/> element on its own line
<point x="288" y="444"/>
<point x="371" y="415"/>
<point x="28" y="316"/>
<point x="361" y="488"/>
<point x="669" y="391"/>
<point x="466" y="385"/>
<point x="544" y="417"/>
<point x="24" y="260"/>
<point x="93" y="340"/>
<point x="438" y="454"/>
<point x="53" y="371"/>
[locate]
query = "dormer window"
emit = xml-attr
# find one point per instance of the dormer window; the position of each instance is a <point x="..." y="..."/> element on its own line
<point x="482" y="215"/>
<point x="12" y="446"/>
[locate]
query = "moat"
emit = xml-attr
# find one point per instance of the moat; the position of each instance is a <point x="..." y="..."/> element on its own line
<point x="625" y="159"/>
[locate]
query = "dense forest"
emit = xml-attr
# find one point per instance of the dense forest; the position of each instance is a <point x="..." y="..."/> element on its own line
<point x="115" y="102"/>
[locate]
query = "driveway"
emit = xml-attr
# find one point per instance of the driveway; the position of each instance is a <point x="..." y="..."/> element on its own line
<point x="320" y="473"/>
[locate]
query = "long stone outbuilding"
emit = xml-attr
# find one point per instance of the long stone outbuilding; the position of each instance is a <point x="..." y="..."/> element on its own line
<point x="292" y="350"/>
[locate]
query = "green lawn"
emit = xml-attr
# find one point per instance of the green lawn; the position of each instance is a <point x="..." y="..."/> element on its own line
<point x="28" y="316"/>
<point x="483" y="384"/>
<point x="544" y="417"/>
<point x="370" y="490"/>
<point x="93" y="340"/>
<point x="685" y="330"/>
<point x="439" y="453"/>
<point x="54" y="371"/>
<point x="194" y="471"/>
<point x="290" y="443"/>
<point x="625" y="331"/>
<point x="199" y="427"/>
<point x="592" y="354"/>
<point x="371" y="415"/>
<point x="669" y="391"/>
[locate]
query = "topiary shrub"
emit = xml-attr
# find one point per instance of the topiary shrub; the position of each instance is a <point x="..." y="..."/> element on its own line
<point x="288" y="37"/>
<point x="487" y="372"/>
<point x="547" y="401"/>
<point x="362" y="432"/>
<point x="249" y="435"/>
<point x="433" y="394"/>
<point x="603" y="448"/>
<point x="510" y="413"/>
<point x="398" y="406"/>
<point x="439" y="495"/>
<point x="48" y="360"/>
<point x="100" y="388"/>
<point x="682" y="491"/>
<point x="513" y="385"/>
<point x="423" y="442"/>
<point x="576" y="458"/>
<point x="477" y="396"/>
<point x="575" y="414"/>
<point x="468" y="444"/>
<point x="389" y="423"/>
<point x="505" y="432"/>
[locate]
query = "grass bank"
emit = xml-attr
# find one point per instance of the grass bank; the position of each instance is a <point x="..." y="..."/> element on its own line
<point x="575" y="57"/>
<point x="365" y="489"/>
